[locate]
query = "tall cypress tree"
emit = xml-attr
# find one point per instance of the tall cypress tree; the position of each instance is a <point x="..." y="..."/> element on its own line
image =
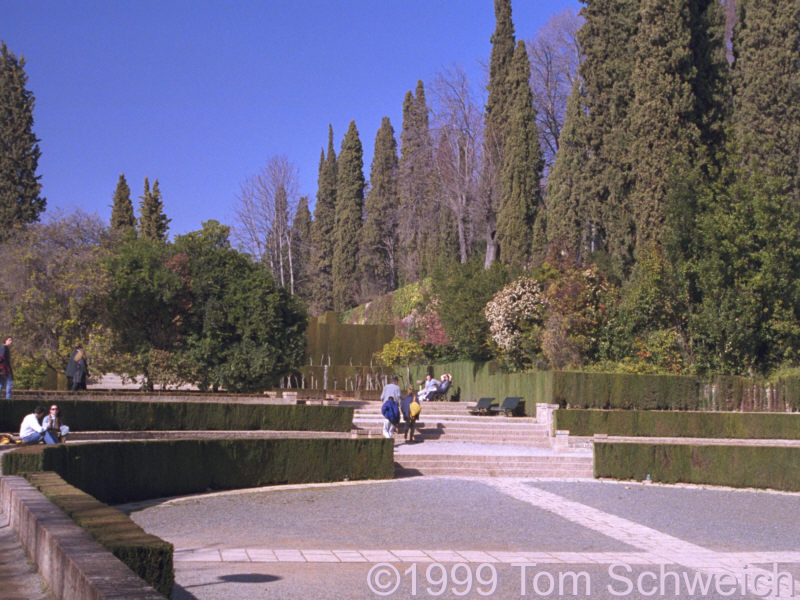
<point x="122" y="217"/>
<point x="349" y="208"/>
<point x="379" y="235"/>
<point x="522" y="168"/>
<point x="418" y="211"/>
<point x="20" y="200"/>
<point x="606" y="38"/>
<point x="322" y="232"/>
<point x="766" y="46"/>
<point x="497" y="116"/>
<point x="153" y="223"/>
<point x="301" y="250"/>
<point x="569" y="224"/>
<point x="665" y="136"/>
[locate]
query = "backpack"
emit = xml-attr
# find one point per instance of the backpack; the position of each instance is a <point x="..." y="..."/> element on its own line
<point x="414" y="409"/>
<point x="390" y="411"/>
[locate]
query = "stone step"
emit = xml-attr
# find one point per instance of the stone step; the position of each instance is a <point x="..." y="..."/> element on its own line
<point x="495" y="466"/>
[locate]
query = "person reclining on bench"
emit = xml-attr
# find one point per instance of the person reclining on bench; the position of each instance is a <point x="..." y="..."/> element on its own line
<point x="434" y="388"/>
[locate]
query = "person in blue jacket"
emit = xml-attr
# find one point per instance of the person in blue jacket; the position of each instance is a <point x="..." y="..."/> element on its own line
<point x="390" y="397"/>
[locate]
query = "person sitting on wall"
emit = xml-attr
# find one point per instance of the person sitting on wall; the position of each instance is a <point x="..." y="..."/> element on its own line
<point x="56" y="431"/>
<point x="31" y="431"/>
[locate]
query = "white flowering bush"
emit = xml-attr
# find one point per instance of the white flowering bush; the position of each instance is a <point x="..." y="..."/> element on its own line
<point x="516" y="315"/>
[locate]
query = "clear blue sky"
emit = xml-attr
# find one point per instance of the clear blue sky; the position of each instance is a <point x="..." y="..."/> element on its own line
<point x="199" y="94"/>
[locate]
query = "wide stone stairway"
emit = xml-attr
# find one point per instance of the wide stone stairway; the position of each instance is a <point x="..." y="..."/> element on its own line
<point x="451" y="441"/>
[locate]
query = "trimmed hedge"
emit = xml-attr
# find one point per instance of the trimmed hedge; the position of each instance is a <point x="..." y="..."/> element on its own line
<point x="148" y="556"/>
<point x="116" y="472"/>
<point x="654" y="423"/>
<point x="112" y="415"/>
<point x="771" y="467"/>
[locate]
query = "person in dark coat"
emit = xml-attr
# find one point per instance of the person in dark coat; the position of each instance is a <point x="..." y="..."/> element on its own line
<point x="6" y="371"/>
<point x="81" y="371"/>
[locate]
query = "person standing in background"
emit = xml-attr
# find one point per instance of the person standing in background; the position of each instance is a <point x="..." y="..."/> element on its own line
<point x="6" y="370"/>
<point x="80" y="370"/>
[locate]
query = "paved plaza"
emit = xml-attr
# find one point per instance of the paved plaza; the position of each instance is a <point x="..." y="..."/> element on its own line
<point x="438" y="537"/>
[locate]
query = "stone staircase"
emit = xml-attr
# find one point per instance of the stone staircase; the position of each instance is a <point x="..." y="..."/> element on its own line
<point x="449" y="441"/>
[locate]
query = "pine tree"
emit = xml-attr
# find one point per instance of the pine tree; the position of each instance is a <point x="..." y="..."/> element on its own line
<point x="569" y="225"/>
<point x="153" y="223"/>
<point x="20" y="200"/>
<point x="349" y="207"/>
<point x="379" y="235"/>
<point x="766" y="46"/>
<point x="522" y="169"/>
<point x="122" y="217"/>
<point x="497" y="116"/>
<point x="322" y="231"/>
<point x="606" y="38"/>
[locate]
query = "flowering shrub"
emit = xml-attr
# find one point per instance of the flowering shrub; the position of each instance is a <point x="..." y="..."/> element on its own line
<point x="516" y="315"/>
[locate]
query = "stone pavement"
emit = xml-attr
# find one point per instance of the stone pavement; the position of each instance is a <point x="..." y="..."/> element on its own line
<point x="499" y="537"/>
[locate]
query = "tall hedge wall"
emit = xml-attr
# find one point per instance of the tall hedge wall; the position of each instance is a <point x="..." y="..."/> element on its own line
<point x="736" y="466"/>
<point x="110" y="415"/>
<point x="335" y="343"/>
<point x="655" y="423"/>
<point x="578" y="389"/>
<point x="116" y="472"/>
<point x="148" y="556"/>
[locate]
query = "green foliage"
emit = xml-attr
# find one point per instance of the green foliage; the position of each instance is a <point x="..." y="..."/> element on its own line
<point x="143" y="415"/>
<point x="20" y="202"/>
<point x="117" y="472"/>
<point x="657" y="423"/>
<point x="378" y="243"/>
<point x="322" y="233"/>
<point x="463" y="291"/>
<point x="241" y="330"/>
<point x="734" y="466"/>
<point x="53" y="295"/>
<point x="349" y="207"/>
<point x="153" y="223"/>
<point x="122" y="208"/>
<point x="400" y="352"/>
<point x="522" y="167"/>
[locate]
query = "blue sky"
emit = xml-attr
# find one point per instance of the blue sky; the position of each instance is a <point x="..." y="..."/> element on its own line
<point x="199" y="94"/>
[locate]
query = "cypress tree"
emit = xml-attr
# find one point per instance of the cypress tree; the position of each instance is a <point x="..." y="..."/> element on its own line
<point x="20" y="200"/>
<point x="665" y="137"/>
<point x="301" y="250"/>
<point x="522" y="168"/>
<point x="153" y="223"/>
<point x="766" y="75"/>
<point x="322" y="231"/>
<point x="122" y="217"/>
<point x="606" y="39"/>
<point x="418" y="211"/>
<point x="379" y="236"/>
<point x="349" y="207"/>
<point x="569" y="225"/>
<point x="497" y="116"/>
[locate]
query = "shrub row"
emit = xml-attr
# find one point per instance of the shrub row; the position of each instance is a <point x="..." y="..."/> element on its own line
<point x="736" y="466"/>
<point x="116" y="472"/>
<point x="655" y="423"/>
<point x="111" y="415"/>
<point x="148" y="556"/>
<point x="577" y="389"/>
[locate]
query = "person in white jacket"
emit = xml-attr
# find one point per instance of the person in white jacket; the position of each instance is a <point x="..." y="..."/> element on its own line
<point x="31" y="431"/>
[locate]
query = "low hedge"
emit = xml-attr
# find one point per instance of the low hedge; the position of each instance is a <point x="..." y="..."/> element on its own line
<point x="771" y="467"/>
<point x="148" y="556"/>
<point x="653" y="423"/>
<point x="116" y="472"/>
<point x="112" y="415"/>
